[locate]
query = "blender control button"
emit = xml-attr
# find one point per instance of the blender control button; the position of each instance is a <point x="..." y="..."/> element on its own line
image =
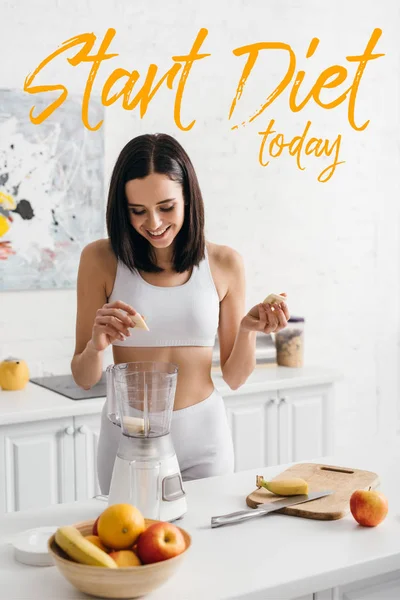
<point x="172" y="488"/>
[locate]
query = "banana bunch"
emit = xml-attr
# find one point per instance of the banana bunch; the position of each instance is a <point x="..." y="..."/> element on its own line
<point x="284" y="487"/>
<point x="82" y="550"/>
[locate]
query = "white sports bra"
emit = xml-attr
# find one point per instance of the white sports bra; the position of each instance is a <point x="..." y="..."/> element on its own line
<point x="183" y="315"/>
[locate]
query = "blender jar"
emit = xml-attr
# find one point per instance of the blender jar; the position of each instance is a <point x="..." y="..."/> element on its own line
<point x="145" y="394"/>
<point x="290" y="343"/>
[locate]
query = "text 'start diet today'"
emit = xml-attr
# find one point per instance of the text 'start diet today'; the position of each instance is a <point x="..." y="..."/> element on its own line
<point x="134" y="91"/>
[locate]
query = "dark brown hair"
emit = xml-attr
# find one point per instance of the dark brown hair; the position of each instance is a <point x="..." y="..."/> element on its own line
<point x="143" y="155"/>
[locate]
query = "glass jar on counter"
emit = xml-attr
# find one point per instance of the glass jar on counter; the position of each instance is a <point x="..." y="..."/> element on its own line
<point x="290" y="343"/>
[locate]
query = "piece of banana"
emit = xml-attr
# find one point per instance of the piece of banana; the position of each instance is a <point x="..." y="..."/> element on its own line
<point x="284" y="487"/>
<point x="139" y="322"/>
<point x="274" y="299"/>
<point x="134" y="424"/>
<point x="82" y="550"/>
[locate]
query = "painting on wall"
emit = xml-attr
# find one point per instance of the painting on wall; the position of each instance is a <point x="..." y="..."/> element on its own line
<point x="51" y="191"/>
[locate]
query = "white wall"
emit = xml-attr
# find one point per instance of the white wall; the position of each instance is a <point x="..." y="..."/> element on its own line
<point x="333" y="247"/>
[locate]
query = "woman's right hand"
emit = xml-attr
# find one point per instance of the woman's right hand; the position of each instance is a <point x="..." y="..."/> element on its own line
<point x="111" y="324"/>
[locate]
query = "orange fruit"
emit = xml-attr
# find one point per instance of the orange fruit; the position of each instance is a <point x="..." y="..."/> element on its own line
<point x="125" y="558"/>
<point x="97" y="542"/>
<point x="120" y="525"/>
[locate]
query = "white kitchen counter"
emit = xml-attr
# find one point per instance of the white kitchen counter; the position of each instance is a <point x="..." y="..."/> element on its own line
<point x="270" y="377"/>
<point x="273" y="557"/>
<point x="35" y="403"/>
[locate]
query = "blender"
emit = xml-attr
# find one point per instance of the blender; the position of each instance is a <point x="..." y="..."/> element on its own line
<point x="140" y="398"/>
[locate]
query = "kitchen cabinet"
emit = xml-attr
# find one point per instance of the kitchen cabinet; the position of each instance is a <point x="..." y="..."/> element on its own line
<point x="48" y="462"/>
<point x="281" y="426"/>
<point x="305" y="422"/>
<point x="37" y="461"/>
<point x="86" y="437"/>
<point x="253" y="420"/>
<point x="381" y="587"/>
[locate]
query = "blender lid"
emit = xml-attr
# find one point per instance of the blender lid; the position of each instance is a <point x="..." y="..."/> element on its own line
<point x="148" y="366"/>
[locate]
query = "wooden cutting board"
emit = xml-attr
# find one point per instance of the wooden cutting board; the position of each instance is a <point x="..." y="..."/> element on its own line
<point x="342" y="480"/>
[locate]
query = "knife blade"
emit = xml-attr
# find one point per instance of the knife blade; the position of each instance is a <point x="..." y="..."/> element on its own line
<point x="265" y="509"/>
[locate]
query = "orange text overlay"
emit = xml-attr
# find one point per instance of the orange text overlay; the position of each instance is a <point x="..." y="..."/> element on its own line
<point x="125" y="85"/>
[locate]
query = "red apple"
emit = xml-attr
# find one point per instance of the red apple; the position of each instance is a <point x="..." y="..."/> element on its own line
<point x="160" y="541"/>
<point x="368" y="507"/>
<point x="94" y="531"/>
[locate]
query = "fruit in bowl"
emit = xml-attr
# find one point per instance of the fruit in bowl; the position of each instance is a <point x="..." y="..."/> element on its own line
<point x="94" y="530"/>
<point x="159" y="542"/>
<point x="125" y="558"/>
<point x="120" y="525"/>
<point x="97" y="542"/>
<point x="81" y="550"/>
<point x="78" y="554"/>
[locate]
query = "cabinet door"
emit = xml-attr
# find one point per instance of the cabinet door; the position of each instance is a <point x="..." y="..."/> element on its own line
<point x="87" y="430"/>
<point x="305" y="423"/>
<point x="38" y="461"/>
<point x="382" y="587"/>
<point x="253" y="420"/>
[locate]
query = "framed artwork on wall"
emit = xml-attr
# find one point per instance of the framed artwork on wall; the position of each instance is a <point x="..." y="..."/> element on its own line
<point x="51" y="190"/>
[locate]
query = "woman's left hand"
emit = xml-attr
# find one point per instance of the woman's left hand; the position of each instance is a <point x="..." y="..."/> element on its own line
<point x="262" y="318"/>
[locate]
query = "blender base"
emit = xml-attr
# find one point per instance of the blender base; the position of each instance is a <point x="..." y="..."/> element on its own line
<point x="146" y="474"/>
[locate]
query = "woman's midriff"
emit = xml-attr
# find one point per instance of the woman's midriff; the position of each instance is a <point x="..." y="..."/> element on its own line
<point x="194" y="369"/>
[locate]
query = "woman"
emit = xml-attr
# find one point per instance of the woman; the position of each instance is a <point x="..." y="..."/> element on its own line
<point x="157" y="263"/>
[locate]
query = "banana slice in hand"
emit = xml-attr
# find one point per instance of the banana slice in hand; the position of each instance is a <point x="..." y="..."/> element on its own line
<point x="274" y="299"/>
<point x="139" y="322"/>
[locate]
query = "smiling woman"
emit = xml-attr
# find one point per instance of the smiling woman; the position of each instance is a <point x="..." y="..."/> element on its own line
<point x="156" y="263"/>
<point x="155" y="193"/>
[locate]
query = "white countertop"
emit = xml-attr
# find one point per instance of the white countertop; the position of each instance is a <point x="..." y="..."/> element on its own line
<point x="35" y="403"/>
<point x="271" y="377"/>
<point x="272" y="557"/>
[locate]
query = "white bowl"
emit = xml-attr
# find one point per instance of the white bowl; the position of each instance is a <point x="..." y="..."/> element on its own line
<point x="30" y="546"/>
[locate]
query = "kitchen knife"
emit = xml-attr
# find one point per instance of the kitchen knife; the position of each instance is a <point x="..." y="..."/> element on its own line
<point x="245" y="515"/>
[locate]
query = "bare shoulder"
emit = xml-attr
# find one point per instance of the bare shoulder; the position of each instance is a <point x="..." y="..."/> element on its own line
<point x="99" y="264"/>
<point x="225" y="258"/>
<point x="99" y="255"/>
<point x="227" y="268"/>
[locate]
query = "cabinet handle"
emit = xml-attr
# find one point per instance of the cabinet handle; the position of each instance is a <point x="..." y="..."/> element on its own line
<point x="69" y="430"/>
<point x="83" y="429"/>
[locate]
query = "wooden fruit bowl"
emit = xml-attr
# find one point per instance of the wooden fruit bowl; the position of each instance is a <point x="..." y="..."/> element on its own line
<point x="124" y="582"/>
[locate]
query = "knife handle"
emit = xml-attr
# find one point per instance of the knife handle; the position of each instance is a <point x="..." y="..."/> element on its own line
<point x="242" y="515"/>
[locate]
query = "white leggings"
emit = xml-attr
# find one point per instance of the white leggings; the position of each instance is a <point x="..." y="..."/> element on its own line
<point x="201" y="438"/>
